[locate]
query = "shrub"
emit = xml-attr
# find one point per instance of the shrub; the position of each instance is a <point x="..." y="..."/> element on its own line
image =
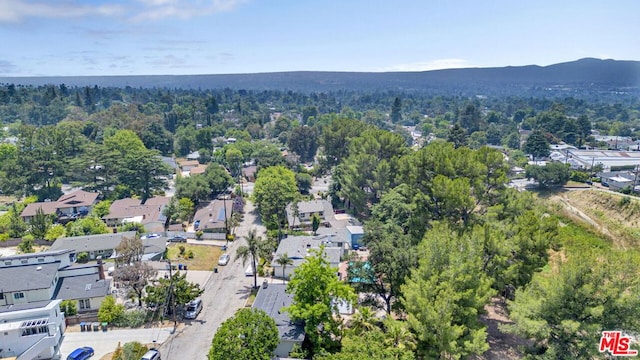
<point x="82" y="257"/>
<point x="181" y="248"/>
<point x="131" y="318"/>
<point x="69" y="307"/>
<point x="199" y="234"/>
<point x="190" y="254"/>
<point x="130" y="351"/>
<point x="109" y="311"/>
<point x="624" y="201"/>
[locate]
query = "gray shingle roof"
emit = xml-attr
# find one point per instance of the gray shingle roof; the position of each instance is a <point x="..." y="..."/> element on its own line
<point x="81" y="287"/>
<point x="91" y="242"/>
<point x="271" y="300"/>
<point x="27" y="277"/>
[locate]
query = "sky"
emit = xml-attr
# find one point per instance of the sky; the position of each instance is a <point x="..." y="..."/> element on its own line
<point x="179" y="37"/>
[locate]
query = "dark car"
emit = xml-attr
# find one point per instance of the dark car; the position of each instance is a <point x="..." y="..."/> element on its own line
<point x="178" y="238"/>
<point x="81" y="353"/>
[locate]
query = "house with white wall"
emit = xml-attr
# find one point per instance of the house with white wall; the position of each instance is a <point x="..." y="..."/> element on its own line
<point x="302" y="216"/>
<point x="42" y="277"/>
<point x="298" y="248"/>
<point x="31" y="331"/>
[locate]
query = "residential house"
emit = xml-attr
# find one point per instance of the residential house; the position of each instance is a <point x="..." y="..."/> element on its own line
<point x="298" y="248"/>
<point x="75" y="203"/>
<point x="354" y="235"/>
<point x="32" y="330"/>
<point x="31" y="289"/>
<point x="150" y="214"/>
<point x="45" y="276"/>
<point x="306" y="210"/>
<point x="618" y="180"/>
<point x="190" y="167"/>
<point x="271" y="298"/>
<point x="214" y="216"/>
<point x="104" y="245"/>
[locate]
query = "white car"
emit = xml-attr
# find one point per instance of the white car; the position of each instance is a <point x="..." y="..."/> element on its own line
<point x="150" y="236"/>
<point x="224" y="259"/>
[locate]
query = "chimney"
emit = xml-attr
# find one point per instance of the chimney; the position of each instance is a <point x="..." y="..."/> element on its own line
<point x="100" y="269"/>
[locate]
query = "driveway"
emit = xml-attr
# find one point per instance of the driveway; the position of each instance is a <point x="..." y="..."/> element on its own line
<point x="106" y="342"/>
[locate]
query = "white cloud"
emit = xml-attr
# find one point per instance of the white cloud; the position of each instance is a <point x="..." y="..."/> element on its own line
<point x="161" y="9"/>
<point x="16" y="10"/>
<point x="436" y="64"/>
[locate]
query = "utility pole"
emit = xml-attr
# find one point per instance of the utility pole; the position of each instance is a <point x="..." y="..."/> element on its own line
<point x="172" y="297"/>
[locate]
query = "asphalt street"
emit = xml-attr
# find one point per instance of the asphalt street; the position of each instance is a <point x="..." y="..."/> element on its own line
<point x="225" y="293"/>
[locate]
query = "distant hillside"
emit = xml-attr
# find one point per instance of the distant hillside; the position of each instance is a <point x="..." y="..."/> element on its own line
<point x="577" y="76"/>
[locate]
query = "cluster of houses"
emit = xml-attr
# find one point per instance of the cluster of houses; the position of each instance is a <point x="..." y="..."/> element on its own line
<point x="336" y="235"/>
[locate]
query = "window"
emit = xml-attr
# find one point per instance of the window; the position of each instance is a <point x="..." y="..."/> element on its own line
<point x="18" y="295"/>
<point x="84" y="304"/>
<point x="40" y="259"/>
<point x="24" y="261"/>
<point x="7" y="262"/>
<point x="1" y="296"/>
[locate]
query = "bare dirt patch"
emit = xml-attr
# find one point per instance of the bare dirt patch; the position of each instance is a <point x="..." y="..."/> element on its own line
<point x="502" y="346"/>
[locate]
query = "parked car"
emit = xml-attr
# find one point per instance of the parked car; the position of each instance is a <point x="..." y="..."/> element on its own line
<point x="193" y="309"/>
<point x="152" y="354"/>
<point x="178" y="238"/>
<point x="81" y="353"/>
<point x="196" y="224"/>
<point x="249" y="270"/>
<point x="150" y="236"/>
<point x="224" y="259"/>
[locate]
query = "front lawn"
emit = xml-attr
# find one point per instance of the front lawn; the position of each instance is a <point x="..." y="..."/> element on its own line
<point x="205" y="257"/>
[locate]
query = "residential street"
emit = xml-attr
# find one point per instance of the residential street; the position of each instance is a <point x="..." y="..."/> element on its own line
<point x="225" y="293"/>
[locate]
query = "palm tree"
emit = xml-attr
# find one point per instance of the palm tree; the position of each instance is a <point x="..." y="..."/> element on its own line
<point x="255" y="248"/>
<point x="397" y="335"/>
<point x="283" y="261"/>
<point x="363" y="321"/>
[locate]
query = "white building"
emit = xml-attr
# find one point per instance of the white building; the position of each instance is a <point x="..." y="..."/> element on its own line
<point x="31" y="331"/>
<point x="298" y="248"/>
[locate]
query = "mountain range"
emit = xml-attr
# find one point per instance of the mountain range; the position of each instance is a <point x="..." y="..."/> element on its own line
<point x="577" y="76"/>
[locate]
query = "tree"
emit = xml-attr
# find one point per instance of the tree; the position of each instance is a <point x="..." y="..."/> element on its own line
<point x="391" y="258"/>
<point x="362" y="321"/>
<point x="316" y="291"/>
<point x="218" y="178"/>
<point x="370" y="345"/>
<point x="195" y="187"/>
<point x="101" y="209"/>
<point x="250" y="334"/>
<point x="304" y="181"/>
<point x="458" y="136"/>
<point x="69" y="307"/>
<point x="110" y="311"/>
<point x="303" y="140"/>
<point x="284" y="260"/>
<point x="256" y="247"/>
<point x="135" y="276"/>
<point x="89" y="225"/>
<point x="315" y="223"/>
<point x="40" y="224"/>
<point x="553" y="174"/>
<point x="445" y="294"/>
<point x="26" y="245"/>
<point x="275" y="188"/>
<point x="537" y="145"/>
<point x="172" y="291"/>
<point x="567" y="306"/>
<point x="396" y="111"/>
